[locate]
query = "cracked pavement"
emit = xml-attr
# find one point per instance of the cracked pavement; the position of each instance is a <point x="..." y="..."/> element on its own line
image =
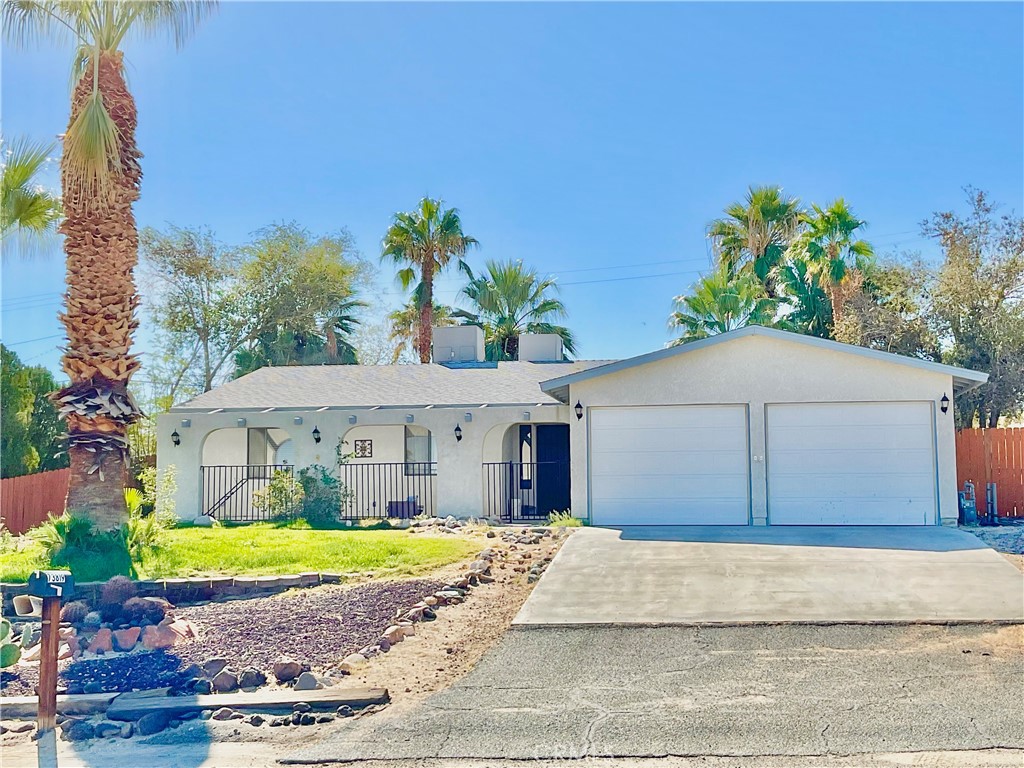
<point x="796" y="690"/>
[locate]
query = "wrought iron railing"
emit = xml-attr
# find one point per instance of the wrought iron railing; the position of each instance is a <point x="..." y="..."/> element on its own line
<point x="228" y="490"/>
<point x="393" y="489"/>
<point x="517" y="491"/>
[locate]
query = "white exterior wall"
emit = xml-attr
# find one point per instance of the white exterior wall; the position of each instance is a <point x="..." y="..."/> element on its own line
<point x="757" y="370"/>
<point x="459" y="489"/>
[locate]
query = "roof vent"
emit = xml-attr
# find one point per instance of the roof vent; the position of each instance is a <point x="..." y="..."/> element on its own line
<point x="459" y="344"/>
<point x="540" y="348"/>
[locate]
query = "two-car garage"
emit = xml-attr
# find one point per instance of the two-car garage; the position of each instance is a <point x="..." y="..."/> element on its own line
<point x="827" y="464"/>
<point x="764" y="427"/>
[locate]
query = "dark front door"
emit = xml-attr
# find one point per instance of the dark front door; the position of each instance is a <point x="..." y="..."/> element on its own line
<point x="552" y="457"/>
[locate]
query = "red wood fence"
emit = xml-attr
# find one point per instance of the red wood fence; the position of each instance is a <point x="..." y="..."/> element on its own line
<point x="26" y="501"/>
<point x="993" y="456"/>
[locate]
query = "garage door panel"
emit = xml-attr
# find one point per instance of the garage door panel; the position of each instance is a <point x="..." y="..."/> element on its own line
<point x="875" y="462"/>
<point x="656" y="512"/>
<point x="851" y="464"/>
<point x="669" y="465"/>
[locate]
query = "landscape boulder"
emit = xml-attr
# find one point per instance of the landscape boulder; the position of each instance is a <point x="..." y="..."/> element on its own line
<point x="250" y="677"/>
<point x="80" y="730"/>
<point x="157" y="637"/>
<point x="152" y="722"/>
<point x="307" y="682"/>
<point x="212" y="666"/>
<point x="125" y="639"/>
<point x="102" y="641"/>
<point x="107" y="730"/>
<point x="225" y="681"/>
<point x="286" y="669"/>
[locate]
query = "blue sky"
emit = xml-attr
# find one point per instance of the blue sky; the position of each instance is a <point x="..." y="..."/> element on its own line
<point x="594" y="141"/>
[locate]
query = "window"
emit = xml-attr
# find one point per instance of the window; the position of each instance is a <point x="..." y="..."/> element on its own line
<point x="525" y="456"/>
<point x="419" y="451"/>
<point x="363" y="449"/>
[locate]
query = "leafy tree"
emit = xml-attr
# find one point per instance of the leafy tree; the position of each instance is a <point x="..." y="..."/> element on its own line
<point x="754" y="234"/>
<point x="423" y="243"/>
<point x="720" y="302"/>
<point x="510" y="299"/>
<point x="285" y="298"/>
<point x="891" y="312"/>
<point x="30" y="424"/>
<point x="977" y="300"/>
<point x="404" y="324"/>
<point x="100" y="177"/>
<point x="830" y="246"/>
<point x="29" y="214"/>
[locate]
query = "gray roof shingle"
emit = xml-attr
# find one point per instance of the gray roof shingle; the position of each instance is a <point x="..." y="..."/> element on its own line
<point x="365" y="386"/>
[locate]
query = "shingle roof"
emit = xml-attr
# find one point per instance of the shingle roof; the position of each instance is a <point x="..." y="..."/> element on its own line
<point x="365" y="386"/>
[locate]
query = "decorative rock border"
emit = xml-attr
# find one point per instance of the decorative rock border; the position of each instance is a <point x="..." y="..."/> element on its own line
<point x="194" y="590"/>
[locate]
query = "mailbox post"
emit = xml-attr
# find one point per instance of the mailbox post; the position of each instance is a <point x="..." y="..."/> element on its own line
<point x="52" y="587"/>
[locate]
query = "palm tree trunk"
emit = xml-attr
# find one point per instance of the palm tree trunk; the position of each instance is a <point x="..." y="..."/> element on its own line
<point x="427" y="310"/>
<point x="101" y="244"/>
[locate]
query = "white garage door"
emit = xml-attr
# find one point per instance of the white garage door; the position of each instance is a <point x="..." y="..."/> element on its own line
<point x="851" y="464"/>
<point x="669" y="465"/>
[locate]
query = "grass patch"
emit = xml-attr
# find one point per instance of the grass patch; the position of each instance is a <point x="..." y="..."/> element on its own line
<point x="260" y="548"/>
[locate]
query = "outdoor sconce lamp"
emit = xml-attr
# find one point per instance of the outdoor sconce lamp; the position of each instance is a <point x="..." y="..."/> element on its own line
<point x="316" y="434"/>
<point x="944" y="403"/>
<point x="175" y="437"/>
<point x="458" y="433"/>
<point x="579" y="410"/>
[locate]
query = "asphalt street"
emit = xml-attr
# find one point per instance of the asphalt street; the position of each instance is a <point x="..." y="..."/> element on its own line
<point x="797" y="690"/>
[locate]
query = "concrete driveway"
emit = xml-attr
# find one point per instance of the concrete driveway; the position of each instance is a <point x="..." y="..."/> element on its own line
<point x="736" y="575"/>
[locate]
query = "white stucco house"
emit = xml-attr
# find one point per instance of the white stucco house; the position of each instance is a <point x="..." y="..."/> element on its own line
<point x="752" y="427"/>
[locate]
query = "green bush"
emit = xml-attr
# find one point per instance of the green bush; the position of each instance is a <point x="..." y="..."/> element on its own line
<point x="281" y="498"/>
<point x="58" y="534"/>
<point x="324" y="496"/>
<point x="564" y="520"/>
<point x="141" y="531"/>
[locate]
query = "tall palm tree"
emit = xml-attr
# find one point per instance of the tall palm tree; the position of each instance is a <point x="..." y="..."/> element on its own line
<point x="809" y="310"/>
<point x="834" y="253"/>
<point x="755" y="233"/>
<point x="29" y="213"/>
<point x="510" y="299"/>
<point x="719" y="303"/>
<point x="423" y="243"/>
<point x="405" y="325"/>
<point x="100" y="178"/>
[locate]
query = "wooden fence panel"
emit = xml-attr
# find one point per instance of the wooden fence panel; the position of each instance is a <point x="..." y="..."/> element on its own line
<point x="993" y="456"/>
<point x="26" y="501"/>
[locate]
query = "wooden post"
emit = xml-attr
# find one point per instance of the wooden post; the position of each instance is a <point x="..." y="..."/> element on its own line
<point x="47" y="713"/>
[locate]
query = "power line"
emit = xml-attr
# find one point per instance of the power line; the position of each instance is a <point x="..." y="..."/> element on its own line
<point x="30" y="341"/>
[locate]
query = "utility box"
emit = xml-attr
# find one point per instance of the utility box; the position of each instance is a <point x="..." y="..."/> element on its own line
<point x="968" y="505"/>
<point x="459" y="344"/>
<point x="60" y="584"/>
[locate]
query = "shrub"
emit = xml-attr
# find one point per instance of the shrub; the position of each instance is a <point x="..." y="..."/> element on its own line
<point x="281" y="497"/>
<point x="60" y="533"/>
<point x="141" y="532"/>
<point x="324" y="495"/>
<point x="136" y="610"/>
<point x="113" y="595"/>
<point x="158" y="489"/>
<point x="564" y="520"/>
<point x="74" y="612"/>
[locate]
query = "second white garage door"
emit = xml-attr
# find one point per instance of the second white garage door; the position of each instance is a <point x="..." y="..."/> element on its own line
<point x="851" y="464"/>
<point x="669" y="465"/>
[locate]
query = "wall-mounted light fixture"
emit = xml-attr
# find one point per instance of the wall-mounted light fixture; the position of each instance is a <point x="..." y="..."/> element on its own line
<point x="297" y="420"/>
<point x="175" y="437"/>
<point x="352" y="419"/>
<point x="579" y="410"/>
<point x="458" y="433"/>
<point x="240" y="422"/>
<point x="944" y="403"/>
<point x="316" y="434"/>
<point x="186" y="423"/>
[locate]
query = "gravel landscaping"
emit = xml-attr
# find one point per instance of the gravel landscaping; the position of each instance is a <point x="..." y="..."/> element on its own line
<point x="317" y="626"/>
<point x="1007" y="537"/>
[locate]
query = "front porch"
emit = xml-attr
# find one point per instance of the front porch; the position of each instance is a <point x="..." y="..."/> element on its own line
<point x="503" y="463"/>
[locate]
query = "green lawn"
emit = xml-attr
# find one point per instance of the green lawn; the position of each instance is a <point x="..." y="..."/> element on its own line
<point x="261" y="548"/>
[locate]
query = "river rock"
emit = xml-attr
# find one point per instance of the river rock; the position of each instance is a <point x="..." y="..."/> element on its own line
<point x="307" y="682"/>
<point x="250" y="677"/>
<point x="225" y="682"/>
<point x="286" y="669"/>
